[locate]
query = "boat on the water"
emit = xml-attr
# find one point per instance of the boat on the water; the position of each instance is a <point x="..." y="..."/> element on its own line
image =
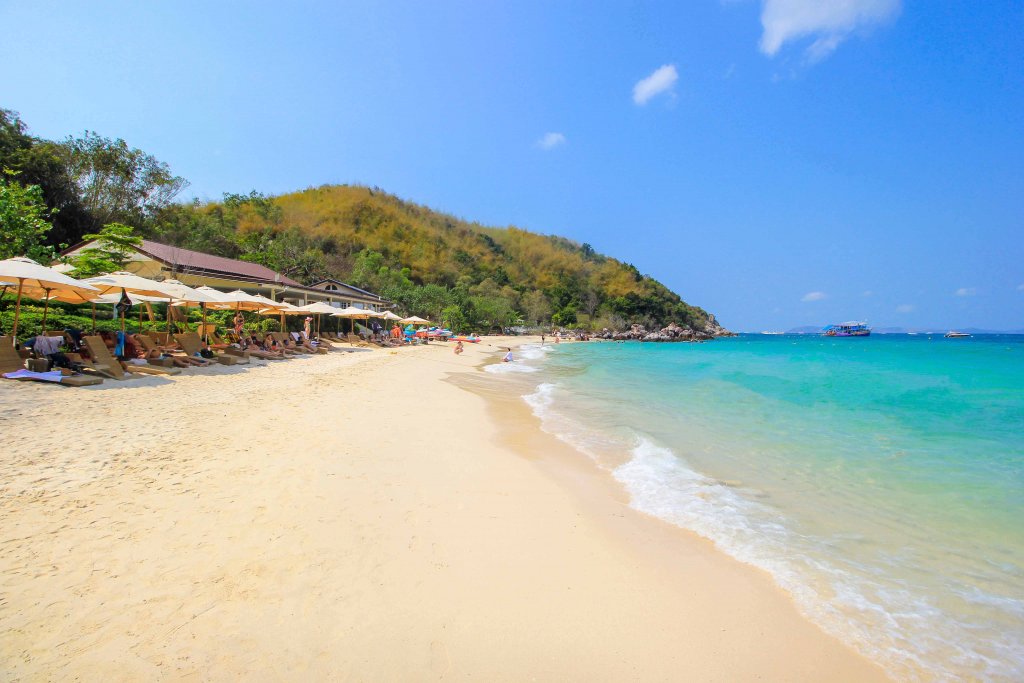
<point x="955" y="335"/>
<point x="850" y="329"/>
<point x="772" y="332"/>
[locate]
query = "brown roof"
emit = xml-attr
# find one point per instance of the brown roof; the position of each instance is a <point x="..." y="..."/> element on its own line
<point x="198" y="263"/>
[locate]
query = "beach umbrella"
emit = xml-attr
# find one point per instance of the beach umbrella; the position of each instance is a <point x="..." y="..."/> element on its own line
<point x="129" y="283"/>
<point x="242" y="301"/>
<point x="218" y="298"/>
<point x="178" y="293"/>
<point x="319" y="308"/>
<point x="38" y="281"/>
<point x="388" y="315"/>
<point x="414" y="320"/>
<point x="283" y="309"/>
<point x="353" y="314"/>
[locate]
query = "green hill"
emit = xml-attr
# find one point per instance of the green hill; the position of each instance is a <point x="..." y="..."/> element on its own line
<point x="430" y="263"/>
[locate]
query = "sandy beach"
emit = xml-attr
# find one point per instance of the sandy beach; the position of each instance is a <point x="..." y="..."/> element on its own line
<point x="356" y="516"/>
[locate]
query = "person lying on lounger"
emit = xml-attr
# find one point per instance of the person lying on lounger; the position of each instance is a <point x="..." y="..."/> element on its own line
<point x="253" y="346"/>
<point x="157" y="354"/>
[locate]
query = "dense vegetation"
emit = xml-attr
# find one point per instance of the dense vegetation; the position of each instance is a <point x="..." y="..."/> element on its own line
<point x="428" y="263"/>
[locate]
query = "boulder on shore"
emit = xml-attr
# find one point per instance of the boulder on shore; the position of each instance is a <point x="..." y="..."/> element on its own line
<point x="671" y="333"/>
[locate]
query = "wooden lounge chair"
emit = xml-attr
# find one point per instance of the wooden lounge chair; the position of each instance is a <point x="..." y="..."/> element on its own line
<point x="209" y="331"/>
<point x="105" y="364"/>
<point x="356" y="340"/>
<point x="168" y="355"/>
<point x="284" y="339"/>
<point x="191" y="343"/>
<point x="12" y="362"/>
<point x="306" y="343"/>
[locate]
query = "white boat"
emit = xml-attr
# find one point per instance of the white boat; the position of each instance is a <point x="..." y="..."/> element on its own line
<point x="955" y="335"/>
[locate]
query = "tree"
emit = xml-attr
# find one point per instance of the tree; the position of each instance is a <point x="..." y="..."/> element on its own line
<point x="536" y="307"/>
<point x="23" y="221"/>
<point x="116" y="182"/>
<point x="565" y="317"/>
<point x="114" y="246"/>
<point x="37" y="163"/>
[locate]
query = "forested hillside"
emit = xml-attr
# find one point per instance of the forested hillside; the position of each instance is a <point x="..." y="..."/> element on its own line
<point x="429" y="263"/>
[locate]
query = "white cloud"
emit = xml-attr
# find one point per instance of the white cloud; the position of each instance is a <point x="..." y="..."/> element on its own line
<point x="814" y="296"/>
<point x="867" y="292"/>
<point x="905" y="308"/>
<point x="551" y="140"/>
<point x="662" y="80"/>
<point x="1020" y="287"/>
<point x="966" y="291"/>
<point x="828" y="22"/>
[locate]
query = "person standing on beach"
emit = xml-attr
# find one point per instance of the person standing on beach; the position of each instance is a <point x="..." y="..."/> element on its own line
<point x="307" y="324"/>
<point x="239" y="324"/>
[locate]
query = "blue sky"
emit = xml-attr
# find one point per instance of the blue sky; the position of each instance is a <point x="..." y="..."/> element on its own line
<point x="780" y="163"/>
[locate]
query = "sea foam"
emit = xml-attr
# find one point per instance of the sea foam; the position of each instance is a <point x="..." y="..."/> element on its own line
<point x="885" y="618"/>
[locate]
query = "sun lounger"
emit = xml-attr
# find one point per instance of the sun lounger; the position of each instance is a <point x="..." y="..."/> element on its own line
<point x="12" y="366"/>
<point x="209" y="332"/>
<point x="191" y="343"/>
<point x="102" y="357"/>
<point x="105" y="364"/>
<point x="356" y="340"/>
<point x="283" y="339"/>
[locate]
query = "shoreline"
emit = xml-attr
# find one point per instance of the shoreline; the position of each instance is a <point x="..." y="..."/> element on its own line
<point x="355" y="516"/>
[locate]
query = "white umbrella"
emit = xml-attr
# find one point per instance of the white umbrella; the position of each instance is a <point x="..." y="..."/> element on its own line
<point x="354" y="314"/>
<point x="414" y="320"/>
<point x="388" y="315"/>
<point x="180" y="294"/>
<point x="240" y="301"/>
<point x="130" y="282"/>
<point x="318" y="307"/>
<point x="36" y="280"/>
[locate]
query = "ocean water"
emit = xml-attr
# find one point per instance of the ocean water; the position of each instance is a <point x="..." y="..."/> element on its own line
<point x="880" y="481"/>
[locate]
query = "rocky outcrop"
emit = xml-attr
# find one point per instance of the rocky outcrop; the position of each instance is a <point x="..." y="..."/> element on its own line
<point x="715" y="330"/>
<point x="671" y="333"/>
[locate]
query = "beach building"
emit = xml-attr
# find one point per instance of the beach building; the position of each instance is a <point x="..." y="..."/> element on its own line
<point x="194" y="268"/>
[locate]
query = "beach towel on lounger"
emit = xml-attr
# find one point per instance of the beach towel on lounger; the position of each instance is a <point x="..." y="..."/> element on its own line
<point x="51" y="376"/>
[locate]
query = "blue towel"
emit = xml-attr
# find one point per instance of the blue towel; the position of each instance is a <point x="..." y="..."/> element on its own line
<point x="119" y="347"/>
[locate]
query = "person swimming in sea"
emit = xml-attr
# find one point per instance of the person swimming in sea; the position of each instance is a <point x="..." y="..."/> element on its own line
<point x="508" y="356"/>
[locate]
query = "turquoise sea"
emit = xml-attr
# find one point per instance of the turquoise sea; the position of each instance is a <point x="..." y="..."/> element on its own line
<point x="879" y="480"/>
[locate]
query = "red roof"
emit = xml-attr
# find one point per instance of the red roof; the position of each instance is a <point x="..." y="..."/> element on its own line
<point x="198" y="263"/>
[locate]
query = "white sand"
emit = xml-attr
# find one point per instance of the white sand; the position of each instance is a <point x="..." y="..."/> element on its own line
<point x="352" y="517"/>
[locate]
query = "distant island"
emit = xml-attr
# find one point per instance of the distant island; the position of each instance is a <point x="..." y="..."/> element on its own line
<point x="811" y="329"/>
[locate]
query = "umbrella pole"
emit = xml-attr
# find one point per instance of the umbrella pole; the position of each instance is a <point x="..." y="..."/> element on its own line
<point x="169" y="301"/>
<point x="46" y="309"/>
<point x="204" y="320"/>
<point x="93" y="317"/>
<point x="17" y="312"/>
